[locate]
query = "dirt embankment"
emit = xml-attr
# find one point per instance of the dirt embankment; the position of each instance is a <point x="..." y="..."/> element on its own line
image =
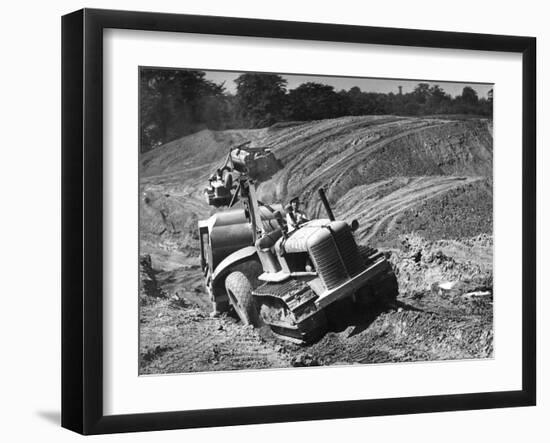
<point x="343" y="155"/>
<point x="421" y="189"/>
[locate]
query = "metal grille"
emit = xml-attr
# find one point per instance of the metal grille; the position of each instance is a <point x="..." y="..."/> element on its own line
<point x="328" y="263"/>
<point x="348" y="250"/>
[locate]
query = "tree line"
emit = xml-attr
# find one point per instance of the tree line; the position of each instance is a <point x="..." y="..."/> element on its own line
<point x="174" y="103"/>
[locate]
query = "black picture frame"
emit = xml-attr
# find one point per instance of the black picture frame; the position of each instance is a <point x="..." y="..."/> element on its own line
<point x="82" y="215"/>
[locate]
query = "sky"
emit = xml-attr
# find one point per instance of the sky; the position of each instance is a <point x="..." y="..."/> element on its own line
<point x="365" y="84"/>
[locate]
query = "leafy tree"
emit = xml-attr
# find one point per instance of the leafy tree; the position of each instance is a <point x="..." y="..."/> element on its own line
<point x="469" y="96"/>
<point x="175" y="103"/>
<point x="314" y="101"/>
<point x="354" y="100"/>
<point x="437" y="100"/>
<point x="260" y="98"/>
<point x="421" y="93"/>
<point x="412" y="108"/>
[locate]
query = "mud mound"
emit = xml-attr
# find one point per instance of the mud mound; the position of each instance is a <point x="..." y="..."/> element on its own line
<point x="408" y="335"/>
<point x="462" y="212"/>
<point x="345" y="153"/>
<point x="170" y="219"/>
<point x="149" y="287"/>
<point x="424" y="267"/>
<point x="176" y="275"/>
<point x="435" y="206"/>
<point x="195" y="150"/>
<point x="457" y="149"/>
<point x="398" y="162"/>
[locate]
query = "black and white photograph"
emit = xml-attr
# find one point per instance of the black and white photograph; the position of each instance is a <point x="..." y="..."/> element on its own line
<point x="303" y="220"/>
<point x="267" y="222"/>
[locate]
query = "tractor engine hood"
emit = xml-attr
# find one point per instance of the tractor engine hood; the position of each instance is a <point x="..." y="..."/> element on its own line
<point x="331" y="247"/>
<point x="300" y="239"/>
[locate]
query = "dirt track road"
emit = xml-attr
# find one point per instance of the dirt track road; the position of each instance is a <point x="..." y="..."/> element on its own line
<point x="179" y="336"/>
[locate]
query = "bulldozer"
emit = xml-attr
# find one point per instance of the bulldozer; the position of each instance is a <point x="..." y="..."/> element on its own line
<point x="219" y="190"/>
<point x="256" y="162"/>
<point x="288" y="280"/>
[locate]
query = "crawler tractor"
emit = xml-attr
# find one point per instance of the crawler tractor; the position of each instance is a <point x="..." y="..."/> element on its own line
<point x="219" y="191"/>
<point x="287" y="280"/>
<point x="256" y="162"/>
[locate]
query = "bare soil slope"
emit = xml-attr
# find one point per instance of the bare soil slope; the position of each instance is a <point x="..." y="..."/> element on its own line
<point x="421" y="189"/>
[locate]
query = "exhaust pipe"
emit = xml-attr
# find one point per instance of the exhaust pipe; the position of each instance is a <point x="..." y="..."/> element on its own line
<point x="325" y="204"/>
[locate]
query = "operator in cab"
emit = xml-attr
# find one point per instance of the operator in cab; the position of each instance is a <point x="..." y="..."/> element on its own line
<point x="295" y="216"/>
<point x="218" y="176"/>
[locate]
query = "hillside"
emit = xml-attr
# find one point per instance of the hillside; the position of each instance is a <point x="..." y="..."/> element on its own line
<point x="416" y="186"/>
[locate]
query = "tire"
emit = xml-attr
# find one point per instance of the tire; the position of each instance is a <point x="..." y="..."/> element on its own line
<point x="239" y="292"/>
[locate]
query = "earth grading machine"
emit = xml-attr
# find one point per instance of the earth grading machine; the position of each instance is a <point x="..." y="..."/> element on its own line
<point x="287" y="280"/>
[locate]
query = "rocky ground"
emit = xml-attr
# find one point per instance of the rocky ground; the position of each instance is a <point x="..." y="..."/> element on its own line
<point x="421" y="189"/>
